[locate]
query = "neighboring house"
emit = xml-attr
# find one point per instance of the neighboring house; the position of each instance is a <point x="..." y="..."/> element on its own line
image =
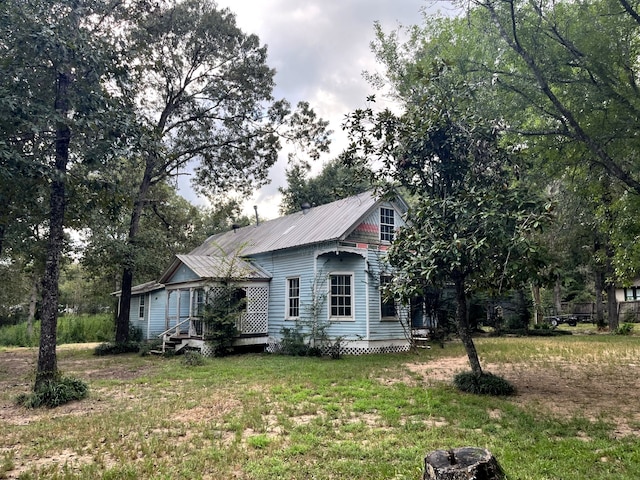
<point x="323" y="264"/>
<point x="628" y="299"/>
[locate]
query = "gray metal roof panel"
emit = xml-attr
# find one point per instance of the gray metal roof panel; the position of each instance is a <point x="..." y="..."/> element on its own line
<point x="332" y="221"/>
<point x="222" y="267"/>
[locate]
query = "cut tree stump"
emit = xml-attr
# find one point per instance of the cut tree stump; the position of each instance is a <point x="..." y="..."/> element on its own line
<point x="465" y="463"/>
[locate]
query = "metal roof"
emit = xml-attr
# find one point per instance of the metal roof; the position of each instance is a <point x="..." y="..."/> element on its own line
<point x="216" y="267"/>
<point x="222" y="267"/>
<point x="333" y="221"/>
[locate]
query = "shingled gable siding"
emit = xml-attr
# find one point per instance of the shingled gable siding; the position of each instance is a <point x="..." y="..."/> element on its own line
<point x="368" y="231"/>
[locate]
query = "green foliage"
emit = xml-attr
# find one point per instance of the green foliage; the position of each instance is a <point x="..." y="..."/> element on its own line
<point x="293" y="343"/>
<point x="116" y="348"/>
<point x="336" y="180"/>
<point x="71" y="329"/>
<point x="221" y="314"/>
<point x="193" y="359"/>
<point x="55" y="392"/>
<point x="484" y="384"/>
<point x="624" y="329"/>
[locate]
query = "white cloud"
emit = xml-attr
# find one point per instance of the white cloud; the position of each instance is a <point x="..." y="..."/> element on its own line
<point x="319" y="49"/>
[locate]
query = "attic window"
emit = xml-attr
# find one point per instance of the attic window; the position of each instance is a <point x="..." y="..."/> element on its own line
<point x="387" y="224"/>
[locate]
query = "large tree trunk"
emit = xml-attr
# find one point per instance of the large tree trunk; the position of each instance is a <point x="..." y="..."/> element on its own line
<point x="462" y="323"/>
<point x="538" y="314"/>
<point x="47" y="361"/>
<point x="122" y="322"/>
<point x="612" y="307"/>
<point x="599" y="287"/>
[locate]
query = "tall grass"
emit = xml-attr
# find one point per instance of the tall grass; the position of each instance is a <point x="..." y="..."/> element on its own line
<point x="71" y="329"/>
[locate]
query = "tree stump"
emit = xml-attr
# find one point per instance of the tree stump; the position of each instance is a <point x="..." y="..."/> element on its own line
<point x="466" y="463"/>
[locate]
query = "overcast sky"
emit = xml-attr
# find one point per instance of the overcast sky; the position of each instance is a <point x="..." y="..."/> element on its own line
<point x="319" y="49"/>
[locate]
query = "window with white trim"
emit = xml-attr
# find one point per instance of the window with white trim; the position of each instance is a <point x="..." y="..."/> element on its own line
<point x="387" y="305"/>
<point x="293" y="297"/>
<point x="341" y="296"/>
<point x="141" y="305"/>
<point x="387" y="224"/>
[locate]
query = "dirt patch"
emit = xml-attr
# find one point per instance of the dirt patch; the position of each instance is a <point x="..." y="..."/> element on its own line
<point x="562" y="389"/>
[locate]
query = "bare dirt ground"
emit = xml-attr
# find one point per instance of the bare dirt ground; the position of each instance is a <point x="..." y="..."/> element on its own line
<point x="594" y="392"/>
<point x="562" y="389"/>
<point x="17" y="366"/>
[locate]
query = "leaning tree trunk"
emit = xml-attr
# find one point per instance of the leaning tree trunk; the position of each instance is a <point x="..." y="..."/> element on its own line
<point x="462" y="323"/>
<point x="47" y="362"/>
<point x="122" y="322"/>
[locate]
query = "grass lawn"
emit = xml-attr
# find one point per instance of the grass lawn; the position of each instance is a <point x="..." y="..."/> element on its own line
<point x="253" y="416"/>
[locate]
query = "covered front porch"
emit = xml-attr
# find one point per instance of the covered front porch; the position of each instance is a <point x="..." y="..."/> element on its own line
<point x="186" y="328"/>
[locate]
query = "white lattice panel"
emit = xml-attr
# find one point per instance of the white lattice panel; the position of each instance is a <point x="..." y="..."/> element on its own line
<point x="256" y="319"/>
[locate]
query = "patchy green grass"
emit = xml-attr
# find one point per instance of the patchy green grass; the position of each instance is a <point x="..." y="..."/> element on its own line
<point x="276" y="417"/>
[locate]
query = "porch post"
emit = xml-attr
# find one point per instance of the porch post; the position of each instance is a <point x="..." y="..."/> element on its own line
<point x="166" y="311"/>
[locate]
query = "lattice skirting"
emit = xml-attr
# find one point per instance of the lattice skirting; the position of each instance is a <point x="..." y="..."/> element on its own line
<point x="356" y="347"/>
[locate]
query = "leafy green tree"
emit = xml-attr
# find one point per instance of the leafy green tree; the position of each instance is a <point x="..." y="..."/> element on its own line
<point x="204" y="96"/>
<point x="56" y="116"/>
<point x="561" y="77"/>
<point x="336" y="180"/>
<point x="473" y="210"/>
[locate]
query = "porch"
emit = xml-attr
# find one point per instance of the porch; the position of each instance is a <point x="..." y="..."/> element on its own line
<point x="185" y="326"/>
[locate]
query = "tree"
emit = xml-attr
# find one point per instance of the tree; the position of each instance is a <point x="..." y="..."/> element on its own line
<point x="54" y="118"/>
<point x="473" y="210"/>
<point x="203" y="91"/>
<point x="336" y="180"/>
<point x="562" y="78"/>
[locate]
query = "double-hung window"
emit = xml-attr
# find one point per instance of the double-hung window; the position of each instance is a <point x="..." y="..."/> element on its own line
<point x="341" y="296"/>
<point x="141" y="305"/>
<point x="387" y="224"/>
<point x="293" y="297"/>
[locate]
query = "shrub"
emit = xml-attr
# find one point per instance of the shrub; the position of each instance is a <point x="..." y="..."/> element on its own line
<point x="293" y="343"/>
<point x="54" y="393"/>
<point x="221" y="315"/>
<point x="193" y="359"/>
<point x="624" y="329"/>
<point x="485" y="384"/>
<point x="113" y="348"/>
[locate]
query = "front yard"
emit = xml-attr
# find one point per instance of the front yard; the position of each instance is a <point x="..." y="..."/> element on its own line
<point x="254" y="416"/>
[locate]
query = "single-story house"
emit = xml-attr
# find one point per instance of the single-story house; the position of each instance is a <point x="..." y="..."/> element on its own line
<point x="322" y="265"/>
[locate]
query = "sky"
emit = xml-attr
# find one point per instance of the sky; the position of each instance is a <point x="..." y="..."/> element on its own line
<point x="319" y="49"/>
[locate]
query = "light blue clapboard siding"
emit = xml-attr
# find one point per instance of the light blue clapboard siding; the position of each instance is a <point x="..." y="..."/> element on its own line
<point x="134" y="312"/>
<point x="301" y="263"/>
<point x="281" y="266"/>
<point x="153" y="322"/>
<point x="380" y="329"/>
<point x="156" y="314"/>
<point x="183" y="274"/>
